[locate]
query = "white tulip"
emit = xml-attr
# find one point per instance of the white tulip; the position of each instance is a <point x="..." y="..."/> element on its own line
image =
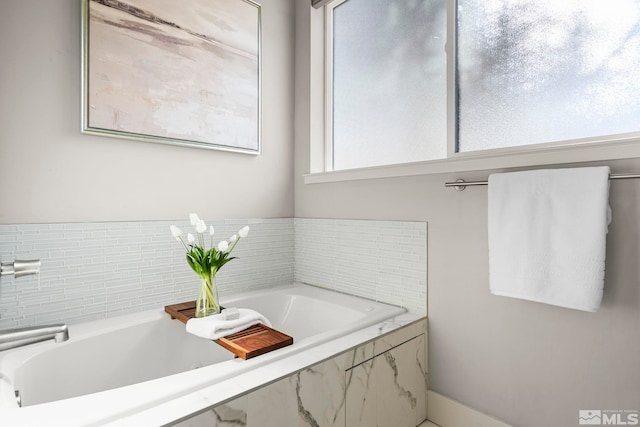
<point x="190" y="238"/>
<point x="244" y="231"/>
<point x="211" y="230"/>
<point x="223" y="246"/>
<point x="175" y="232"/>
<point x="201" y="227"/>
<point x="233" y="238"/>
<point x="193" y="217"/>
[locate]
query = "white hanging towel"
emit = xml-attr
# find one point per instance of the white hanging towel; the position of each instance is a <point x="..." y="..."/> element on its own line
<point x="547" y="235"/>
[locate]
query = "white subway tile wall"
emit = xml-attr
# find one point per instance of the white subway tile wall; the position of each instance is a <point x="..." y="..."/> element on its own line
<point x="381" y="260"/>
<point x="96" y="270"/>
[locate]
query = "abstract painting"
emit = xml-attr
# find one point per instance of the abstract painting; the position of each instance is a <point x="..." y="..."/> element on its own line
<point x="178" y="72"/>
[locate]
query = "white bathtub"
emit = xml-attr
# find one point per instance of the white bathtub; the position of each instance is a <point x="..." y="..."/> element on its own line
<point x="150" y="357"/>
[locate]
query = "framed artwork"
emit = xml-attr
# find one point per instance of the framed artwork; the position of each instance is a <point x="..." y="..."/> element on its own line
<point x="181" y="72"/>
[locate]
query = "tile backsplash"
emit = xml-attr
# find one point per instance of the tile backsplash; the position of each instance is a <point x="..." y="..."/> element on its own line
<point x="381" y="260"/>
<point x="97" y="270"/>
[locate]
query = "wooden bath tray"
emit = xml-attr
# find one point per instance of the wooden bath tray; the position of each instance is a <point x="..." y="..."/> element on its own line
<point x="254" y="341"/>
<point x="251" y="342"/>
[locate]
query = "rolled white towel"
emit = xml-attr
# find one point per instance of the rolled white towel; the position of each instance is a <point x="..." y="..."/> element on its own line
<point x="215" y="326"/>
<point x="230" y="314"/>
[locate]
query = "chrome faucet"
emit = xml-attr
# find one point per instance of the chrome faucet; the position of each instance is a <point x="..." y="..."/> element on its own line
<point x="20" y="268"/>
<point x="12" y="338"/>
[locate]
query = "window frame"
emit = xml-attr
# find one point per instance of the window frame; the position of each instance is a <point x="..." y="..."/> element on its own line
<point x="610" y="147"/>
<point x="328" y="103"/>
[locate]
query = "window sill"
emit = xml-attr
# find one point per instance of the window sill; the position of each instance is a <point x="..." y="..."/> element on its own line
<point x="496" y="159"/>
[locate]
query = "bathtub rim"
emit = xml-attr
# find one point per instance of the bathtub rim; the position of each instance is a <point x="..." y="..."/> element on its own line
<point x="12" y="359"/>
<point x="173" y="410"/>
<point x="168" y="413"/>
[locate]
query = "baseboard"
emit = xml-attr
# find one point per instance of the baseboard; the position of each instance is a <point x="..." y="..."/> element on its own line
<point x="449" y="413"/>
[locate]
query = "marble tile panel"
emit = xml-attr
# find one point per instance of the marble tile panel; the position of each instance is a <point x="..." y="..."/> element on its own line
<point x="309" y="385"/>
<point x="360" y="405"/>
<point x="334" y="388"/>
<point x="389" y="341"/>
<point x="422" y="378"/>
<point x="362" y="353"/>
<point x="230" y="414"/>
<point x="395" y="378"/>
<point x="275" y="405"/>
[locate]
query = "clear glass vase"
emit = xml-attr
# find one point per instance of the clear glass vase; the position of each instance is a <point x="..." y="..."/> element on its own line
<point x="207" y="302"/>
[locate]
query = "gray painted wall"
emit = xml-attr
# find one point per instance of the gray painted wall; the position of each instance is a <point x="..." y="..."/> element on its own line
<point x="49" y="172"/>
<point x="527" y="363"/>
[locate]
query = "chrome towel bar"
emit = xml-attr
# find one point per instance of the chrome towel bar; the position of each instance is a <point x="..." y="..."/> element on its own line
<point x="461" y="184"/>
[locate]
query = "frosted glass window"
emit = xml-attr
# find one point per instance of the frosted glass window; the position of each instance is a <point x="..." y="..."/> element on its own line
<point x="535" y="71"/>
<point x="389" y="82"/>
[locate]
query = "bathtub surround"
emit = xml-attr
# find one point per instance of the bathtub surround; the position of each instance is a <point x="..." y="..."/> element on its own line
<point x="173" y="398"/>
<point x="157" y="360"/>
<point x="382" y="382"/>
<point x="98" y="270"/>
<point x="382" y="260"/>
